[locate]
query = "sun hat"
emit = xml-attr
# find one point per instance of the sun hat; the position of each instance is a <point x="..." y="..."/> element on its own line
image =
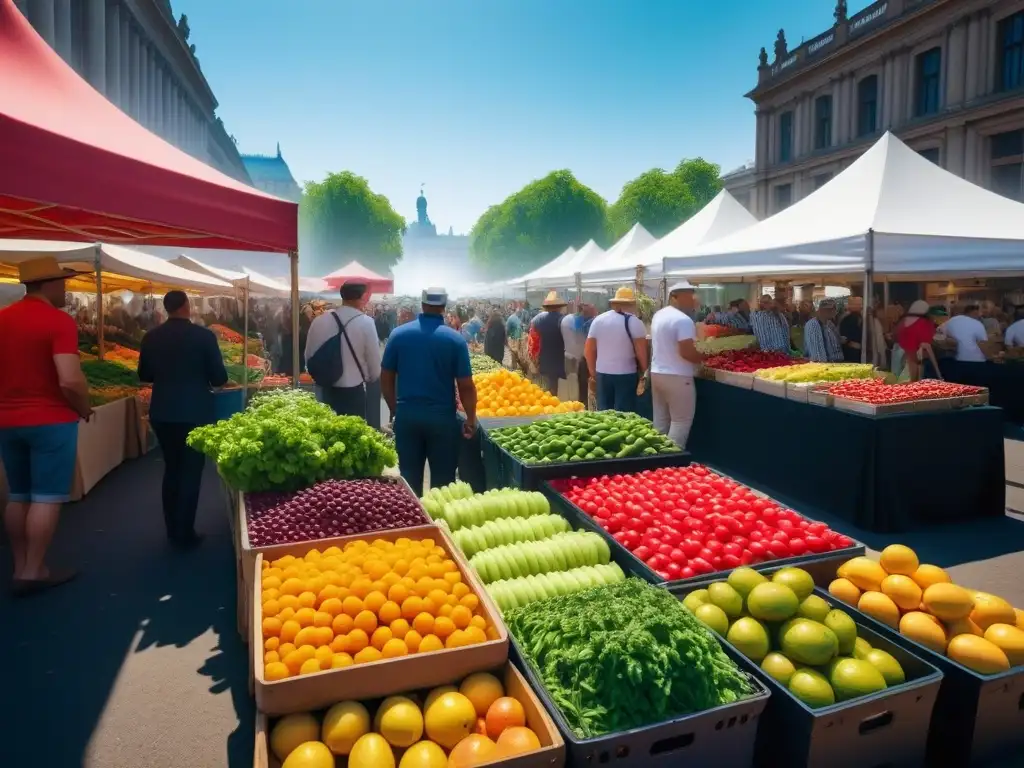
<point x="44" y="268"/>
<point x="623" y="295"/>
<point x="553" y="300"/>
<point x="682" y="285"/>
<point x="919" y="308"/>
<point x="435" y="297"/>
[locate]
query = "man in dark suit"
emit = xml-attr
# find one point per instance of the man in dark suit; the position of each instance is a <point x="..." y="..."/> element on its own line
<point x="183" y="362"/>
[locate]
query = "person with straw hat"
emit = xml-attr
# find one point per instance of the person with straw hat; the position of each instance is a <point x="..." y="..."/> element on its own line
<point x="616" y="351"/>
<point x="552" y="344"/>
<point x="43" y="395"/>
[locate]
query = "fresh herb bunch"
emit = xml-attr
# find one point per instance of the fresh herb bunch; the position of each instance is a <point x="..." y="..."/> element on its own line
<point x="105" y="373"/>
<point x="286" y="440"/>
<point x="624" y="656"/>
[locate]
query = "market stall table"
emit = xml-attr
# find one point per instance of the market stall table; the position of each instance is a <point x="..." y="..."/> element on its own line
<point x="882" y="473"/>
<point x="1004" y="381"/>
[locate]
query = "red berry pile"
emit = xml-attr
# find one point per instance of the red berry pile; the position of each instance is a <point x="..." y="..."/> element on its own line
<point x="877" y="392"/>
<point x="749" y="360"/>
<point x="689" y="521"/>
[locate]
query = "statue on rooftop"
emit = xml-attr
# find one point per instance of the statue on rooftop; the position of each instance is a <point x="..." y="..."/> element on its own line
<point x="840" y="12"/>
<point x="781" y="49"/>
<point x="762" y="59"/>
<point x="421" y="209"/>
<point x="183" y="28"/>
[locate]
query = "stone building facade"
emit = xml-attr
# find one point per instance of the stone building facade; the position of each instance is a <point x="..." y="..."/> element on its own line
<point x="271" y="174"/>
<point x="136" y="54"/>
<point x="946" y="76"/>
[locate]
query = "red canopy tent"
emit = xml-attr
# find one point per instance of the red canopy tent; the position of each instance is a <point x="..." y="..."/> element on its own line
<point x="354" y="272"/>
<point x="74" y="167"/>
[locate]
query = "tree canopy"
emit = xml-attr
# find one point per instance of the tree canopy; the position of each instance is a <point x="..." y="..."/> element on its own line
<point x="532" y="226"/>
<point x="341" y="219"/>
<point x="658" y="200"/>
<point x="703" y="179"/>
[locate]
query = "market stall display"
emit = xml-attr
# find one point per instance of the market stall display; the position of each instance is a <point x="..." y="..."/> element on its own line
<point x="814" y="373"/>
<point x="624" y="666"/>
<point x="716" y="345"/>
<point x="842" y="694"/>
<point x="505" y="393"/>
<point x="880" y="473"/>
<point x="341" y="613"/>
<point x="683" y="523"/>
<point x="975" y="638"/>
<point x="749" y="360"/>
<point x="286" y="440"/>
<point x="874" y="396"/>
<point x="480" y="363"/>
<point x="487" y="716"/>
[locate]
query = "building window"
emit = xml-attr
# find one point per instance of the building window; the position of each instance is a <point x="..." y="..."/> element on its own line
<point x="929" y="69"/>
<point x="822" y="179"/>
<point x="932" y="153"/>
<point x="1007" y="164"/>
<point x="785" y="137"/>
<point x="822" y="122"/>
<point x="867" y="105"/>
<point x="783" y="197"/>
<point x="1011" y="52"/>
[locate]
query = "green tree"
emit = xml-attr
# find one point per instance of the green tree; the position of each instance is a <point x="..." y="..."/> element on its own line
<point x="702" y="179"/>
<point x="341" y="219"/>
<point x="535" y="224"/>
<point x="658" y="200"/>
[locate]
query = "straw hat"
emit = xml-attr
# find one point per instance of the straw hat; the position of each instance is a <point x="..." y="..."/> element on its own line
<point x="553" y="300"/>
<point x="44" y="268"/>
<point x="623" y="295"/>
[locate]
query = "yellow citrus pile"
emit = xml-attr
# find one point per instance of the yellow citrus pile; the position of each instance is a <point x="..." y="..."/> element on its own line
<point x="370" y="601"/>
<point x="506" y="393"/>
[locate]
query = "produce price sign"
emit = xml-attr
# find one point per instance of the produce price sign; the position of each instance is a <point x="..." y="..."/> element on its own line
<point x="686" y="522"/>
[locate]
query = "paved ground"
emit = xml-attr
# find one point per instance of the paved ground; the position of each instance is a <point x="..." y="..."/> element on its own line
<point x="138" y="663"/>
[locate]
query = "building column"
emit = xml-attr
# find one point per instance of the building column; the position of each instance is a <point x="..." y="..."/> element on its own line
<point x="899" y="89"/>
<point x="956" y="64"/>
<point x="125" y="49"/>
<point x="885" y="120"/>
<point x="147" y="85"/>
<point x="973" y="54"/>
<point x="135" y="70"/>
<point x="174" y="117"/>
<point x="773" y="132"/>
<point x="854" y="108"/>
<point x="808" y="102"/>
<point x="838" y="111"/>
<point x="955" y="150"/>
<point x="986" y="62"/>
<point x="62" y="28"/>
<point x="972" y="169"/>
<point x="113" y="57"/>
<point x="96" y="44"/>
<point x="41" y="15"/>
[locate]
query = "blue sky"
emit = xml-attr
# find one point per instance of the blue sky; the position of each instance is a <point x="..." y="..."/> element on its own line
<point x="478" y="97"/>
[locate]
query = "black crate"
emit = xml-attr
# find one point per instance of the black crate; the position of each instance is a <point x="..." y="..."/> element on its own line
<point x="505" y="471"/>
<point x="977" y="718"/>
<point x="822" y="566"/>
<point x="889" y="728"/>
<point x="723" y="736"/>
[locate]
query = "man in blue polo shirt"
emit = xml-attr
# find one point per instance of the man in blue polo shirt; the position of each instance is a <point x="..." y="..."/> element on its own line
<point x="424" y="361"/>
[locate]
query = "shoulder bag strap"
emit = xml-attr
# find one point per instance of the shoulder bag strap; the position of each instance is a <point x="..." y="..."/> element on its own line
<point x="626" y="316"/>
<point x="349" y="342"/>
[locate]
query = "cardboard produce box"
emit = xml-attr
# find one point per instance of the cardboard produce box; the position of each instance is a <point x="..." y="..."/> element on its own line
<point x="550" y="755"/>
<point x="376" y="679"/>
<point x="101" y="445"/>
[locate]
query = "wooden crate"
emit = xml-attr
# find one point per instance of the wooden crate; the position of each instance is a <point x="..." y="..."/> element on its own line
<point x="769" y="387"/>
<point x="378" y="678"/>
<point x="550" y="755"/>
<point x="734" y="379"/>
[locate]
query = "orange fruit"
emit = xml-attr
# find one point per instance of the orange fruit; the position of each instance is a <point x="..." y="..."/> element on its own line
<point x="324" y="656"/>
<point x="340" y="660"/>
<point x="307" y="599"/>
<point x="398" y="592"/>
<point x="352" y="605"/>
<point x="339" y="644"/>
<point x="294" y="661"/>
<point x="389" y="611"/>
<point x="271" y="607"/>
<point x="361" y="587"/>
<point x="470" y="601"/>
<point x="475" y="635"/>
<point x="366" y="621"/>
<point x="331" y="605"/>
<point x="380" y="636"/>
<point x="472" y="751"/>
<point x="399" y="628"/>
<point x="461" y="616"/>
<point x="374" y="601"/>
<point x="284" y="649"/>
<point x="292" y="587"/>
<point x="456" y="639"/>
<point x="478" y="621"/>
<point x="394" y="648"/>
<point x="368" y="654"/>
<point x="431" y="642"/>
<point x="482" y="689"/>
<point x="289" y="630"/>
<point x="503" y="713"/>
<point x="322" y="619"/>
<point x="271" y="626"/>
<point x="413" y="640"/>
<point x="443" y="626"/>
<point x="309" y="667"/>
<point x="357" y="640"/>
<point x="411" y="606"/>
<point x="271" y="643"/>
<point x="276" y="670"/>
<point x="517" y="740"/>
<point x="423" y="623"/>
<point x="270" y="657"/>
<point x="305" y="616"/>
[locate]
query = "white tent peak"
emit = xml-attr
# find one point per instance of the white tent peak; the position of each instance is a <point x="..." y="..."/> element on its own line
<point x="721" y="217"/>
<point x="628" y="246"/>
<point x="558" y="261"/>
<point x="258" y="284"/>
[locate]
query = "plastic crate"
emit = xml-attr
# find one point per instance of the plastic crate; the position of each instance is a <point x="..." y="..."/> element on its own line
<point x="977" y="718"/>
<point x="505" y="471"/>
<point x="889" y="728"/>
<point x="724" y="736"/>
<point x="822" y="566"/>
<point x="228" y="402"/>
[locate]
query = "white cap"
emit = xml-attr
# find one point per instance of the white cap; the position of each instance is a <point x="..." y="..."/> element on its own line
<point x="435" y="297"/>
<point x="682" y="285"/>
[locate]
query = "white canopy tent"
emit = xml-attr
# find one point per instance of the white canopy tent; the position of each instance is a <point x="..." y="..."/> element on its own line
<point x="564" y="275"/>
<point x="257" y="284"/>
<point x="558" y="263"/>
<point x="620" y="261"/>
<point x="891" y="212"/>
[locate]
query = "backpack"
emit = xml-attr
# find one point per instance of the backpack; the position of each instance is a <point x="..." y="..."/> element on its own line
<point x="325" y="365"/>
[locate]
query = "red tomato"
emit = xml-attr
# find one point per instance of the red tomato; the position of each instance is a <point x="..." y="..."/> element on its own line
<point x="797" y="547"/>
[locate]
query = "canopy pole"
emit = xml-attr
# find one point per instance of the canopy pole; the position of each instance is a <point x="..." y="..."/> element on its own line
<point x="101" y="319"/>
<point x="885" y="294"/>
<point x="865" y="322"/>
<point x="638" y="281"/>
<point x="579" y="290"/>
<point x="296" y="354"/>
<point x="245" y="341"/>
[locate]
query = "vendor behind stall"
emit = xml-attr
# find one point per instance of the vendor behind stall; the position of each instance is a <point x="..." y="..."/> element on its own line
<point x="913" y="336"/>
<point x="967" y="330"/>
<point x="770" y="326"/>
<point x="821" y="337"/>
<point x="1015" y="333"/>
<point x="851" y="329"/>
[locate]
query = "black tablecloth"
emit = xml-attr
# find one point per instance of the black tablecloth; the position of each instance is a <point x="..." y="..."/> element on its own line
<point x="883" y="474"/>
<point x="1005" y="383"/>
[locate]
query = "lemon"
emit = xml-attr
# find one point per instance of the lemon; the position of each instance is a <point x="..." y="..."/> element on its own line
<point x="399" y="721"/>
<point x="424" y="754"/>
<point x="344" y="724"/>
<point x="449" y="719"/>
<point x="309" y="754"/>
<point x="371" y="751"/>
<point x="292" y="730"/>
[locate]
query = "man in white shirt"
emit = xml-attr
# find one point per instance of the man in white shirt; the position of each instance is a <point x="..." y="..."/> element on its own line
<point x="674" y="359"/>
<point x="360" y="354"/>
<point x="616" y="350"/>
<point x="967" y="330"/>
<point x="1015" y="333"/>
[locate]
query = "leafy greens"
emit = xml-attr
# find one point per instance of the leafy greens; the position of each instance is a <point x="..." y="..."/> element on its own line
<point x="624" y="656"/>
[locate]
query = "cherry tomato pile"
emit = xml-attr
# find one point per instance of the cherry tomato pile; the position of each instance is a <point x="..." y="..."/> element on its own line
<point x="689" y="521"/>
<point x="749" y="360"/>
<point x="877" y="392"/>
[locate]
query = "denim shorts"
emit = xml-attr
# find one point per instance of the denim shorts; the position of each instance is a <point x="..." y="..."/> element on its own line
<point x="40" y="461"/>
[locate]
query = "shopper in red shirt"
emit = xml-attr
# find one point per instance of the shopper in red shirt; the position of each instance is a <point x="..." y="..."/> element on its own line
<point x="43" y="394"/>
